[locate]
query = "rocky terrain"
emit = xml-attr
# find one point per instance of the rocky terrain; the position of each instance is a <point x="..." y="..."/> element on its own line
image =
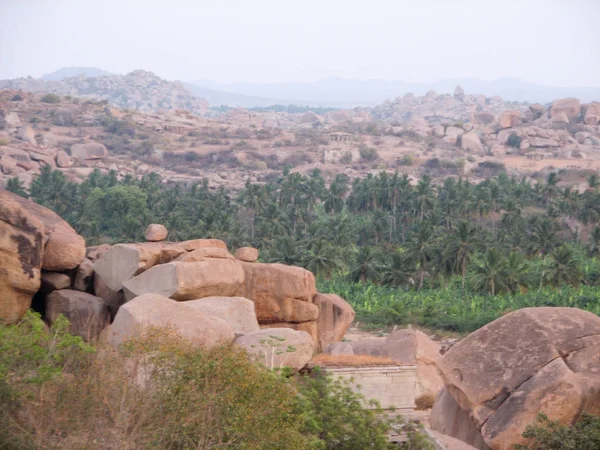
<point x="489" y="385"/>
<point x="441" y="135"/>
<point x="140" y="90"/>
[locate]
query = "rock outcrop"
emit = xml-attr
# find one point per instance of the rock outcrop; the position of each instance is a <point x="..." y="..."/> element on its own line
<point x="335" y="316"/>
<point x="280" y="292"/>
<point x="21" y="252"/>
<point x="238" y="312"/>
<point x="189" y="280"/>
<point x="88" y="315"/>
<point x="529" y="361"/>
<point x="247" y="254"/>
<point x="152" y="311"/>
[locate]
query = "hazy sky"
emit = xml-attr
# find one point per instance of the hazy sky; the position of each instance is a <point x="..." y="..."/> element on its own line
<point x="554" y="42"/>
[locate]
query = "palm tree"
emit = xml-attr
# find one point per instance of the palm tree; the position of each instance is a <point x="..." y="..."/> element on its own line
<point x="424" y="196"/>
<point x="516" y="270"/>
<point x="593" y="181"/>
<point x="594" y="242"/>
<point x="366" y="267"/>
<point x="323" y="258"/>
<point x="461" y="246"/>
<point x="398" y="271"/>
<point x="491" y="274"/>
<point x="563" y="268"/>
<point x="420" y="248"/>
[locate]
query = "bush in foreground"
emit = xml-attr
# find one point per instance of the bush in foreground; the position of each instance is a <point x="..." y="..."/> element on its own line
<point x="161" y="393"/>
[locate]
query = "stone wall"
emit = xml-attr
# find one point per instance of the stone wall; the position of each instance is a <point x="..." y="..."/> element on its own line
<point x="390" y="385"/>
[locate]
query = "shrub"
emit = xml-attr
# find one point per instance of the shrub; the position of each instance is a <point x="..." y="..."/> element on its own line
<point x="424" y="402"/>
<point x="546" y="434"/>
<point x="336" y="414"/>
<point x="406" y="160"/>
<point x="514" y="140"/>
<point x="50" y="98"/>
<point x="368" y="154"/>
<point x="346" y="158"/>
<point x="17" y="98"/>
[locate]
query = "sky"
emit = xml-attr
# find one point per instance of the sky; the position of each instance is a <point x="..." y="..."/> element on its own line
<point x="550" y="42"/>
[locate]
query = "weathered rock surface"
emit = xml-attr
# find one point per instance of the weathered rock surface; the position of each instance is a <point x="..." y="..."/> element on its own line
<point x="592" y="114"/>
<point x="571" y="107"/>
<point x="123" y="261"/>
<point x="88" y="315"/>
<point x="268" y="285"/>
<point x="238" y="312"/>
<point x="448" y="418"/>
<point x="189" y="280"/>
<point x="92" y="150"/>
<point x="471" y="142"/>
<point x="248" y="254"/>
<point x="335" y="316"/>
<point x="155" y="232"/>
<point x="278" y="347"/>
<point x="52" y="281"/>
<point x="309" y="328"/>
<point x="21" y="251"/>
<point x="204" y="252"/>
<point x="63" y="248"/>
<point x="84" y="276"/>
<point x="532" y="360"/>
<point x="140" y="315"/>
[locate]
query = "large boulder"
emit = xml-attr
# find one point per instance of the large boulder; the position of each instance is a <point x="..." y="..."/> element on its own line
<point x="248" y="254"/>
<point x="450" y="419"/>
<point x="92" y="150"/>
<point x="123" y="261"/>
<point x="529" y="361"/>
<point x="309" y="328"/>
<point x="151" y="311"/>
<point x="88" y="315"/>
<point x="571" y="107"/>
<point x="509" y="119"/>
<point x="238" y="312"/>
<point x="471" y="142"/>
<point x="335" y="316"/>
<point x="204" y="252"/>
<point x="269" y="285"/>
<point x="277" y="348"/>
<point x="189" y="280"/>
<point x="592" y="114"/>
<point x="21" y="252"/>
<point x="63" y="248"/>
<point x="156" y="232"/>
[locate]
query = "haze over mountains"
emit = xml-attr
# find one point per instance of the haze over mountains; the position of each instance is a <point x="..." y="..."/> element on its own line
<point x="347" y="93"/>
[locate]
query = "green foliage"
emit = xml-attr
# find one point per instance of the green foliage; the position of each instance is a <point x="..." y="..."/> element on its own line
<point x="546" y="434"/>
<point x="368" y="154"/>
<point x="336" y="415"/>
<point x="16" y="186"/>
<point x="160" y="392"/>
<point x="503" y="236"/>
<point x="514" y="140"/>
<point x="50" y="98"/>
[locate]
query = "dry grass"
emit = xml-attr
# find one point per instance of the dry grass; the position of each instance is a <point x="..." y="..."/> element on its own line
<point x="424" y="402"/>
<point x="351" y="360"/>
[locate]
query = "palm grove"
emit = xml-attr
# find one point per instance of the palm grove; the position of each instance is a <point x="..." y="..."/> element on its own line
<point x="453" y="255"/>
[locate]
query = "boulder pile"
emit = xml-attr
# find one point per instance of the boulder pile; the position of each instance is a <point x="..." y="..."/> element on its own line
<point x="196" y="288"/>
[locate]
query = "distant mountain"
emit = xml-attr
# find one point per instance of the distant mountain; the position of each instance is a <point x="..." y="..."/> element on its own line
<point x="218" y="98"/>
<point x="139" y="90"/>
<point x="344" y="93"/>
<point x="69" y="72"/>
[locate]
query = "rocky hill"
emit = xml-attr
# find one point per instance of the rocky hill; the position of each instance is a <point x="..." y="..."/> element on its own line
<point x="139" y="90"/>
<point x="441" y="135"/>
